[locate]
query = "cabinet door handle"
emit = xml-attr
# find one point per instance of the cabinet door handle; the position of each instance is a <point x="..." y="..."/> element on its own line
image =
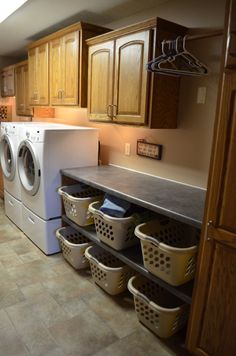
<point x="109" y="111"/>
<point x="114" y="110"/>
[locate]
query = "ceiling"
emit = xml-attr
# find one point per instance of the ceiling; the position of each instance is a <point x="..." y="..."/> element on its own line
<point x="37" y="18"/>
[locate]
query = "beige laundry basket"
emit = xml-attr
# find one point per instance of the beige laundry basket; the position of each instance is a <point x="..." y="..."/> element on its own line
<point x="76" y="199"/>
<point x="115" y="232"/>
<point x="73" y="245"/>
<point x="108" y="271"/>
<point x="156" y="308"/>
<point x="169" y="249"/>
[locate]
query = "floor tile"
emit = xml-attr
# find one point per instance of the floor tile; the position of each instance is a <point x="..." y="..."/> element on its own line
<point x="31" y="329"/>
<point x="11" y="344"/>
<point x="117" y="311"/>
<point x="4" y="319"/>
<point x="84" y="334"/>
<point x="141" y="342"/>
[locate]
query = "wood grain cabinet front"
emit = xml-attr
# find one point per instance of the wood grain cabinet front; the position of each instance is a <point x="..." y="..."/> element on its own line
<point x="212" y="322"/>
<point x="38" y="75"/>
<point x="63" y="82"/>
<point x="22" y="89"/>
<point x="7" y="81"/>
<point x="64" y="70"/>
<point x="120" y="89"/>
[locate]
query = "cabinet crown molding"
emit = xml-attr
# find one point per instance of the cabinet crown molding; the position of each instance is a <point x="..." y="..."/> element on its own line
<point x="154" y="22"/>
<point x="78" y="26"/>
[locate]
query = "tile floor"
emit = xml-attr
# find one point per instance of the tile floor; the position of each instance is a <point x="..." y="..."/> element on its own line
<point x="47" y="308"/>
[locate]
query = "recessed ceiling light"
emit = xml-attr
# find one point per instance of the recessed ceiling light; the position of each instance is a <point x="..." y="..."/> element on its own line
<point x="8" y="7"/>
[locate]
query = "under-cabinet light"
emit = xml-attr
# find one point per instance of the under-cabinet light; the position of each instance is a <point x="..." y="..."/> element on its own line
<point x="8" y="7"/>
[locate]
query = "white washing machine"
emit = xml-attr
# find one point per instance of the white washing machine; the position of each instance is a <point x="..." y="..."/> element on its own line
<point x="8" y="156"/>
<point x="42" y="153"/>
<point x="9" y="142"/>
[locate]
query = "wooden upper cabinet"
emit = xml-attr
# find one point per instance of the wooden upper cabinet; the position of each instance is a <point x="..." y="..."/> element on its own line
<point x="101" y="66"/>
<point x="121" y="90"/>
<point x="64" y="67"/>
<point x="130" y="79"/>
<point x="38" y="75"/>
<point x="8" y="81"/>
<point x="212" y="323"/>
<point x="22" y="89"/>
<point x="65" y="81"/>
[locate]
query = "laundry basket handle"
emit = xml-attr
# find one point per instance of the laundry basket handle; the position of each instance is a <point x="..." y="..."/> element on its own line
<point x="135" y="292"/>
<point x="145" y="237"/>
<point x="61" y="192"/>
<point x="58" y="235"/>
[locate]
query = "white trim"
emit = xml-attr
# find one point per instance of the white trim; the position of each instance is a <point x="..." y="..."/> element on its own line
<point x="152" y="175"/>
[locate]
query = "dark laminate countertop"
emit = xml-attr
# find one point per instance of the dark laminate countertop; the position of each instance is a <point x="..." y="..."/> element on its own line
<point x="179" y="201"/>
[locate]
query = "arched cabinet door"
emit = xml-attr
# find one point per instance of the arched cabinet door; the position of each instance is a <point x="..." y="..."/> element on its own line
<point x="131" y="78"/>
<point x="100" y="81"/>
<point x="212" y="322"/>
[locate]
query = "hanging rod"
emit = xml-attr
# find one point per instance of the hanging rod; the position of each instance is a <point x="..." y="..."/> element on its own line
<point x="205" y="35"/>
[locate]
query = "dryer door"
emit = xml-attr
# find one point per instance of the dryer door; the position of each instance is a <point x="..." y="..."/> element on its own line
<point x="7" y="158"/>
<point x="28" y="167"/>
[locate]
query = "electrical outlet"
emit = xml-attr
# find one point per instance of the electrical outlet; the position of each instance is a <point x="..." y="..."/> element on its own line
<point x="127" y="149"/>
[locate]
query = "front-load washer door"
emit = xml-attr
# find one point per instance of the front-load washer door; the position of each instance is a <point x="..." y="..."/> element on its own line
<point x="28" y="167"/>
<point x="7" y="158"/>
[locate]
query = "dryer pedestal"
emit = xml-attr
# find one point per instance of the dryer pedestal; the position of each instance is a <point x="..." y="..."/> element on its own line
<point x="13" y="209"/>
<point x="41" y="232"/>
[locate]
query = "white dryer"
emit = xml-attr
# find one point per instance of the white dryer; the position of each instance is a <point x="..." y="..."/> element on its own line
<point x="42" y="153"/>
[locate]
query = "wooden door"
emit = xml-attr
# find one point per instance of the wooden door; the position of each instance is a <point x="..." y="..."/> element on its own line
<point x="213" y="318"/>
<point x="131" y="78"/>
<point x="70" y="69"/>
<point x="42" y="74"/>
<point x="100" y="81"/>
<point x="20" y="97"/>
<point x="56" y="71"/>
<point x="33" y="85"/>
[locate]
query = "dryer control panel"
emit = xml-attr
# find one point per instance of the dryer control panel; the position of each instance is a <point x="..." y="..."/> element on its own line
<point x="32" y="134"/>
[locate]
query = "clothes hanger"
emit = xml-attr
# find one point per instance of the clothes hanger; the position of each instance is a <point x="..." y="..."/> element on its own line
<point x="176" y="60"/>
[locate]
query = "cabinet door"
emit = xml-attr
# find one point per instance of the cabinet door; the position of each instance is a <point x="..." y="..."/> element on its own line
<point x="131" y="78"/>
<point x="25" y="74"/>
<point x="213" y="318"/>
<point x="56" y="71"/>
<point x="33" y="85"/>
<point x="42" y="74"/>
<point x="20" y="101"/>
<point x="3" y="84"/>
<point x="100" y="81"/>
<point x="10" y="79"/>
<point x="70" y="69"/>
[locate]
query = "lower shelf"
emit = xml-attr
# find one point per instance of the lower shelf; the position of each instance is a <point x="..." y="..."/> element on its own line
<point x="132" y="256"/>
